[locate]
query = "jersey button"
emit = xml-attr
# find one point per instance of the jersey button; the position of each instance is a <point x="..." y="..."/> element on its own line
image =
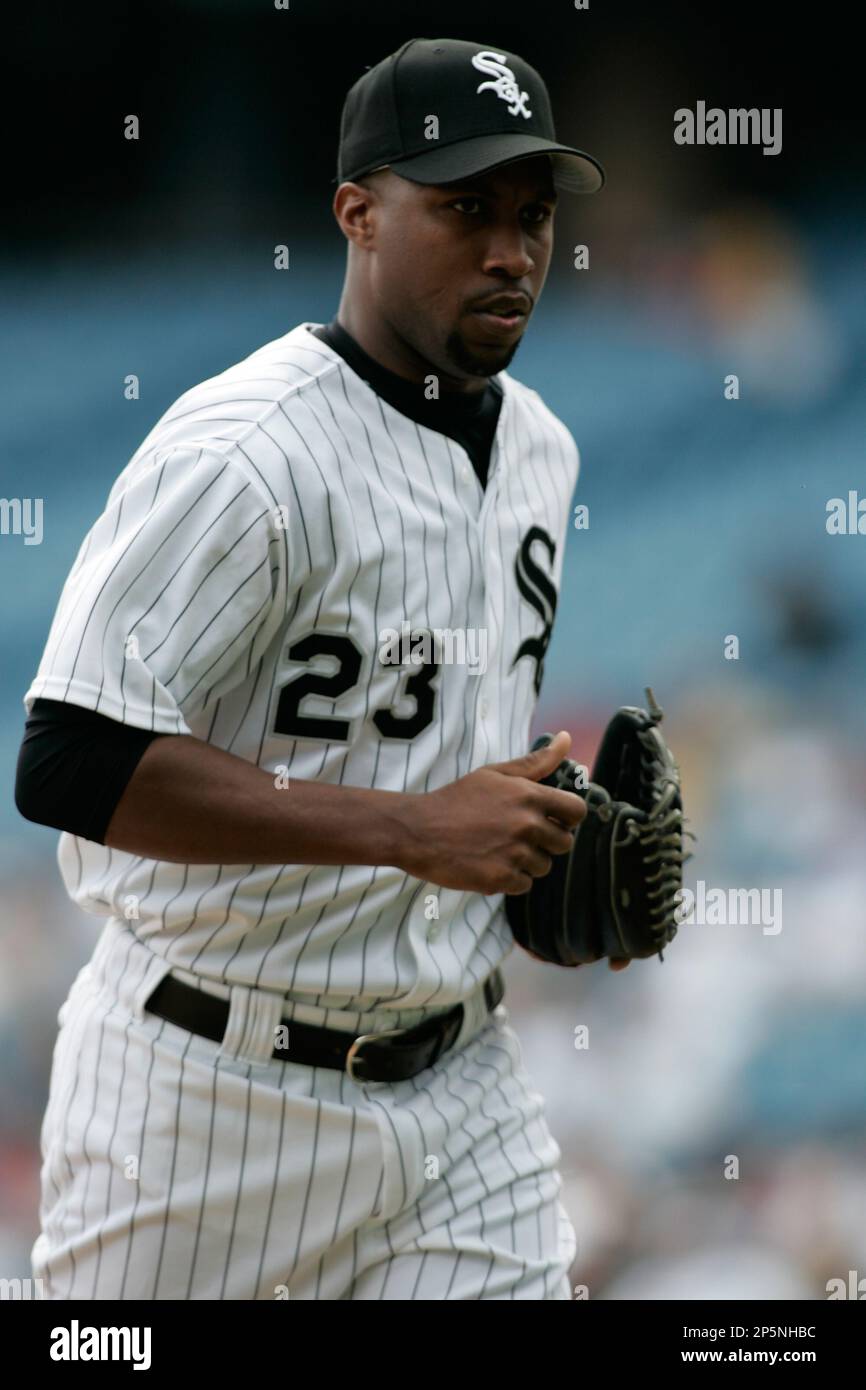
<point x="434" y="931"/>
<point x="484" y="708"/>
<point x="465" y="473"/>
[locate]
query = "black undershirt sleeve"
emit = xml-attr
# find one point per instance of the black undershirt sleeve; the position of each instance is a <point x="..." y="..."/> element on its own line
<point x="73" y="767"/>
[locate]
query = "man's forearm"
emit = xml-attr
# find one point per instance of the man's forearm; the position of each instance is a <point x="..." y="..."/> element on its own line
<point x="191" y="803"/>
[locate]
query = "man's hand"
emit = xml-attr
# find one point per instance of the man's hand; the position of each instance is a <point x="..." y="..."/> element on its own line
<point x="494" y="830"/>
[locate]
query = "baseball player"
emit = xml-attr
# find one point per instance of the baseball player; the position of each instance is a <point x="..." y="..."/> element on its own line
<point x="282" y="719"/>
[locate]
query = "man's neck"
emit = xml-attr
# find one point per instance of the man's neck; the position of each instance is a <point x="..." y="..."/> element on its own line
<point x="392" y="352"/>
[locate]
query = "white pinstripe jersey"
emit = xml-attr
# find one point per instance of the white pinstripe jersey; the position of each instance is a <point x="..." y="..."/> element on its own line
<point x="276" y="521"/>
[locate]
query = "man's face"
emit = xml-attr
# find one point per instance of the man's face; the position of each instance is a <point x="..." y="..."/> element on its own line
<point x="457" y="268"/>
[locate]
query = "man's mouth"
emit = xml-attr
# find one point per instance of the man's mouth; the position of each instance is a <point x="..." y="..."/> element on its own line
<point x="504" y="314"/>
<point x="503" y="322"/>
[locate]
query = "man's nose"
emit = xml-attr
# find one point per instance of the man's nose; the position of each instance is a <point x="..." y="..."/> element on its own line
<point x="507" y="253"/>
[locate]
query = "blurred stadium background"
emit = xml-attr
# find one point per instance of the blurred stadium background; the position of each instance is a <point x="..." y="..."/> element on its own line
<point x="707" y="519"/>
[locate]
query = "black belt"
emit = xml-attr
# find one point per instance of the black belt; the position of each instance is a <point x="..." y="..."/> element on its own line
<point x="394" y="1054"/>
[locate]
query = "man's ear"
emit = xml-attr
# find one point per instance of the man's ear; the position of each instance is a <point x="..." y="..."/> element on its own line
<point x="355" y="206"/>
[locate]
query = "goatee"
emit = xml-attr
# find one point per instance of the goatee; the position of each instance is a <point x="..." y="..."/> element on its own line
<point x="474" y="365"/>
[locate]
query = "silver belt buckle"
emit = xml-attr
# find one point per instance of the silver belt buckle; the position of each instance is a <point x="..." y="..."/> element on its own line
<point x="352" y="1054"/>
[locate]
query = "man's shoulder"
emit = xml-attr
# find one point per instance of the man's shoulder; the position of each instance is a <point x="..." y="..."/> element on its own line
<point x="272" y="373"/>
<point x="529" y="401"/>
<point x="223" y="411"/>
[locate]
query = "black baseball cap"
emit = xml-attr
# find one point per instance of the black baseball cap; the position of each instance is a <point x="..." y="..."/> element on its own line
<point x="443" y="110"/>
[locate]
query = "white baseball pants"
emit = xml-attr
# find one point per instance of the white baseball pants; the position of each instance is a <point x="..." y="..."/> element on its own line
<point x="179" y="1168"/>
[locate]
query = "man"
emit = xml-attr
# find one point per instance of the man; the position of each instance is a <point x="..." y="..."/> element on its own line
<point x="285" y="1072"/>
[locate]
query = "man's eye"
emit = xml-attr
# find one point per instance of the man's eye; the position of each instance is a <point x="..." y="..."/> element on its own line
<point x="537" y="213"/>
<point x="467" y="205"/>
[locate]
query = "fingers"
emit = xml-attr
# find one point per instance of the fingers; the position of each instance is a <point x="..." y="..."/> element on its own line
<point x="540" y="761"/>
<point x="618" y="964"/>
<point x="535" y="862"/>
<point x="566" y="807"/>
<point x="553" y="839"/>
<point x="517" y="884"/>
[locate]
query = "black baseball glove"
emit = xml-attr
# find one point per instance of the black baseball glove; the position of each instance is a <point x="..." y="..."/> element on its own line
<point x="615" y="892"/>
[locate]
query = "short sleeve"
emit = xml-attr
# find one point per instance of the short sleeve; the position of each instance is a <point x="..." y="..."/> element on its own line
<point x="177" y="590"/>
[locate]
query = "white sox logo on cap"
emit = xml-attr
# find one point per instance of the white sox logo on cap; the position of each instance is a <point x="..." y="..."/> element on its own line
<point x="384" y="118"/>
<point x="504" y="84"/>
